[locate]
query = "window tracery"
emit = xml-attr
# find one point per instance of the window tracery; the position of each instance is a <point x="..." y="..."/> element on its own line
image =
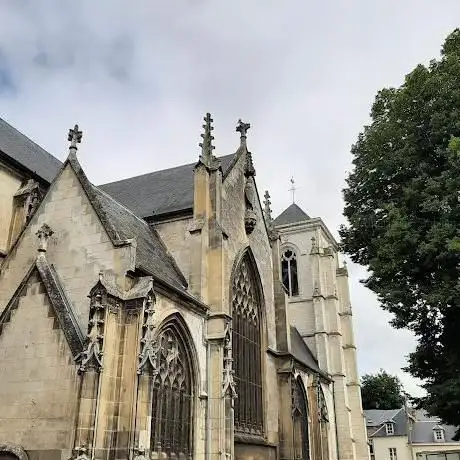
<point x="172" y="399"/>
<point x="246" y="310"/>
<point x="289" y="272"/>
<point x="300" y="419"/>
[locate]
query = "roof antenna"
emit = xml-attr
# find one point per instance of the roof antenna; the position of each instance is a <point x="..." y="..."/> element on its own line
<point x="293" y="189"/>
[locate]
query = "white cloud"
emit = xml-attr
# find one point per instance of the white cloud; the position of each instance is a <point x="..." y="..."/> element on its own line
<point x="138" y="77"/>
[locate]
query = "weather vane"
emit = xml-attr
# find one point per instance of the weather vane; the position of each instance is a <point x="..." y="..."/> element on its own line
<point x="293" y="189"/>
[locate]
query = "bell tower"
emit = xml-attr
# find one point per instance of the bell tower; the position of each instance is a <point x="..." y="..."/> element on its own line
<point x="319" y="307"/>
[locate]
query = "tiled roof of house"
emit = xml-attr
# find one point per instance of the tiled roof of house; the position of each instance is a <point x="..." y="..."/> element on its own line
<point x="422" y="428"/>
<point x="26" y="153"/>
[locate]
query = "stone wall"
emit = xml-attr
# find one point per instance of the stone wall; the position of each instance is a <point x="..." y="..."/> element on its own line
<point x="79" y="248"/>
<point x="38" y="379"/>
<point x="9" y="185"/>
<point x="233" y="211"/>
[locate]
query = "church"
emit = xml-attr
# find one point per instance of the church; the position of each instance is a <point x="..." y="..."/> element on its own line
<point x="169" y="315"/>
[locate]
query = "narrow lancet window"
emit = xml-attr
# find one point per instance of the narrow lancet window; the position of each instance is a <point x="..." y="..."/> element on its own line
<point x="300" y="419"/>
<point x="289" y="272"/>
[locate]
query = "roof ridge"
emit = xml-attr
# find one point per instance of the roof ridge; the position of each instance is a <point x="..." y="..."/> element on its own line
<point x="159" y="171"/>
<point x="30" y="140"/>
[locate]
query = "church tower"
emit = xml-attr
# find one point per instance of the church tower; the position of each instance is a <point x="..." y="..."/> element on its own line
<point x="319" y="307"/>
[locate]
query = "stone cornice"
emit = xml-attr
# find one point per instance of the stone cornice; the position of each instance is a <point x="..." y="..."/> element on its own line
<point x="311" y="224"/>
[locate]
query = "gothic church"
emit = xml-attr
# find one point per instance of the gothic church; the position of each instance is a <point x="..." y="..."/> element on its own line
<point x="168" y="316"/>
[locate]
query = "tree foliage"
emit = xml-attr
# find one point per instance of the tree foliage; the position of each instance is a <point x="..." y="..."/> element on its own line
<point x="402" y="205"/>
<point x="381" y="391"/>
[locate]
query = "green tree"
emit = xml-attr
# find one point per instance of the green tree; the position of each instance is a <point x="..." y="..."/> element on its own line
<point x="403" y="211"/>
<point x="381" y="391"/>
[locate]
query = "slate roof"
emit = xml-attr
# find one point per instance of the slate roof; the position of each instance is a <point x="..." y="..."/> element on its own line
<point x="301" y="352"/>
<point x="159" y="192"/>
<point x="377" y="418"/>
<point x="422" y="429"/>
<point x="27" y="153"/>
<point x="121" y="224"/>
<point x="291" y="215"/>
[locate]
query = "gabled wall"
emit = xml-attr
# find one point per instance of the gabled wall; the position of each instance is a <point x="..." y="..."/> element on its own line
<point x="38" y="378"/>
<point x="79" y="248"/>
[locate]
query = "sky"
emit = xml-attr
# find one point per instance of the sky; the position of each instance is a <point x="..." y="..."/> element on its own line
<point x="138" y="76"/>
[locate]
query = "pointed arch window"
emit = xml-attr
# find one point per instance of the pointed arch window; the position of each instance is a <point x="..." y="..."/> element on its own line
<point x="289" y="271"/>
<point x="247" y="337"/>
<point x="172" y="399"/>
<point x="300" y="421"/>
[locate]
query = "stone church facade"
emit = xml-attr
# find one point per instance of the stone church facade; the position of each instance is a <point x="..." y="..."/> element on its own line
<point x="168" y="316"/>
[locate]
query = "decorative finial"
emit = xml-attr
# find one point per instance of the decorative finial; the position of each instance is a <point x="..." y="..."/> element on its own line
<point x="206" y="145"/>
<point x="242" y="128"/>
<point x="293" y="189"/>
<point x="44" y="233"/>
<point x="74" y="137"/>
<point x="267" y="209"/>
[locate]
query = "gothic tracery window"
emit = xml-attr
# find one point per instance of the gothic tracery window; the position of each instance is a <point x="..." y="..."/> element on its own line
<point x="300" y="421"/>
<point x="289" y="272"/>
<point x="246" y="311"/>
<point x="172" y="399"/>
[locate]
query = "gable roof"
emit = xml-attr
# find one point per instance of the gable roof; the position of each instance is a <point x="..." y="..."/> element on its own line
<point x="122" y="225"/>
<point x="61" y="305"/>
<point x="291" y="215"/>
<point x="377" y="418"/>
<point x="27" y="154"/>
<point x="300" y="350"/>
<point x="160" y="192"/>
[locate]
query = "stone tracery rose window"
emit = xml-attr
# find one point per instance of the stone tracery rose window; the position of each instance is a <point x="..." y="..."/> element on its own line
<point x="172" y="400"/>
<point x="246" y="312"/>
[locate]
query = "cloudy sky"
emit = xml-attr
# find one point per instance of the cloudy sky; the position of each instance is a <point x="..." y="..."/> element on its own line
<point x="139" y="75"/>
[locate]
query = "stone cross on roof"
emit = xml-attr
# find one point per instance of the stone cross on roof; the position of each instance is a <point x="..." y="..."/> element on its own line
<point x="242" y="128"/>
<point x="44" y="233"/>
<point x="206" y="145"/>
<point x="74" y="137"/>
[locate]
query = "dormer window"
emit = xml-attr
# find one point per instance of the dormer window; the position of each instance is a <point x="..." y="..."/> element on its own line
<point x="390" y="428"/>
<point x="438" y="434"/>
<point x="289" y="272"/>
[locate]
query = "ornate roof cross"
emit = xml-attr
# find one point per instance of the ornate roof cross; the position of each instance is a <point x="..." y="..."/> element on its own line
<point x="242" y="128"/>
<point x="293" y="190"/>
<point x="44" y="233"/>
<point x="74" y="137"/>
<point x="206" y="145"/>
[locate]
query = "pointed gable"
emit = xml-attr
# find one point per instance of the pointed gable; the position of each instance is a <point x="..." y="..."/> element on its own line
<point x="122" y="225"/>
<point x="291" y="215"/>
<point x="42" y="279"/>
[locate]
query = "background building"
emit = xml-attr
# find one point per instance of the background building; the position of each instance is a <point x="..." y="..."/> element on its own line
<point x="406" y="434"/>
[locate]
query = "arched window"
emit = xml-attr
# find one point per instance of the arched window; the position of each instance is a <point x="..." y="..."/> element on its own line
<point x="172" y="399"/>
<point x="247" y="336"/>
<point x="300" y="421"/>
<point x="289" y="272"/>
